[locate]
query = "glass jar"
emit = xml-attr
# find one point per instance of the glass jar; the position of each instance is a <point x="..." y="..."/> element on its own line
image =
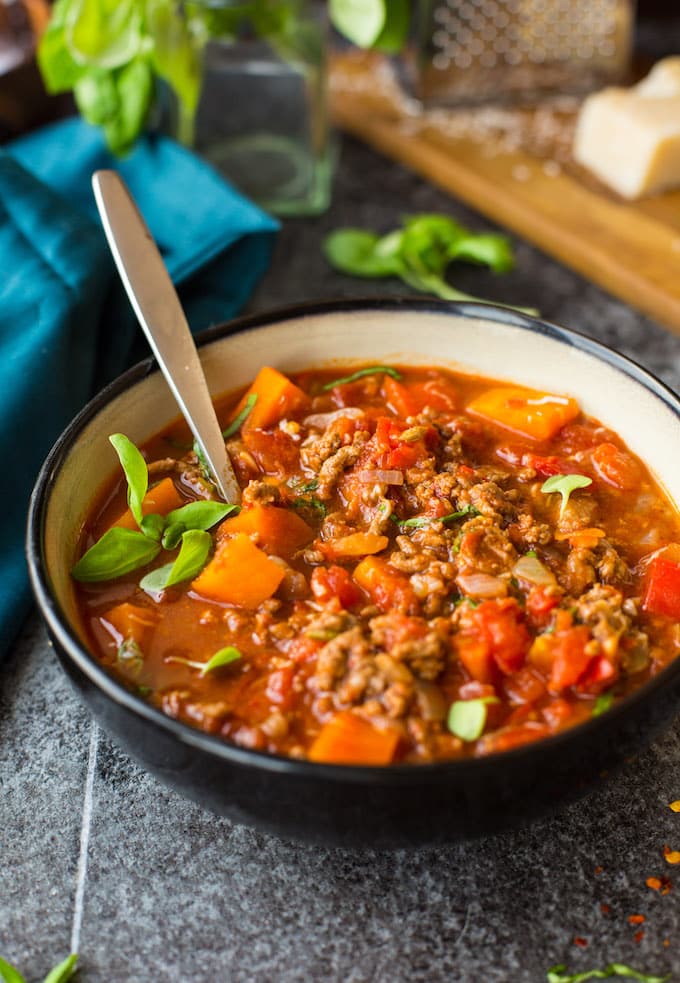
<point x="262" y="117"/>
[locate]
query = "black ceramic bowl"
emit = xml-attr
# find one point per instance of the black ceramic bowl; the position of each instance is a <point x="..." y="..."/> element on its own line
<point x="401" y="805"/>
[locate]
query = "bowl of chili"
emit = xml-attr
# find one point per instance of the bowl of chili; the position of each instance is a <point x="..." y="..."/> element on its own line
<point x="448" y="602"/>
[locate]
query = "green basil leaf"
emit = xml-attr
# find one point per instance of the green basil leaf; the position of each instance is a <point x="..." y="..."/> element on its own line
<point x="239" y="420"/>
<point x="8" y="974"/>
<point x="64" y="971"/>
<point x="359" y="253"/>
<point x="395" y="30"/>
<point x="222" y="658"/>
<point x="200" y="515"/>
<point x="191" y="559"/>
<point x="134" y="85"/>
<point x="105" y="33"/>
<point x="361" y="374"/>
<point x="565" y="484"/>
<point x="152" y="525"/>
<point x="58" y="67"/>
<point x="602" y="703"/>
<point x="418" y="521"/>
<point x="490" y="250"/>
<point x="467" y="718"/>
<point x="119" y="551"/>
<point x="361" y="21"/>
<point x="176" y="56"/>
<point x="172" y="535"/>
<point x="156" y="580"/>
<point x="135" y="470"/>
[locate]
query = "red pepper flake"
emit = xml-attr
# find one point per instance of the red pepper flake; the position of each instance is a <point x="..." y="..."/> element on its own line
<point x="666" y="942"/>
<point x="579" y="940"/>
<point x="598" y="870"/>
<point x="675" y="806"/>
<point x="605" y="909"/>
<point x="639" y="936"/>
<point x="660" y="884"/>
<point x="671" y="856"/>
<point x="636" y="919"/>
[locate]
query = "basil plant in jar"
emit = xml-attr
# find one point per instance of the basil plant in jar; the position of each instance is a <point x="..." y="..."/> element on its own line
<point x="243" y="83"/>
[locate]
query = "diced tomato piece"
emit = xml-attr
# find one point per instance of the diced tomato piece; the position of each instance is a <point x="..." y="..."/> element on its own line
<point x="548" y="466"/>
<point x="662" y="587"/>
<point x="600" y="674"/>
<point x="493" y="634"/>
<point x="524" y="686"/>
<point x="303" y="649"/>
<point x="565" y="654"/>
<point x="410" y="399"/>
<point x="275" y="453"/>
<point x="329" y="583"/>
<point x="386" y="449"/>
<point x="540" y="602"/>
<point x="514" y="736"/>
<point x="280" y="687"/>
<point x="615" y="466"/>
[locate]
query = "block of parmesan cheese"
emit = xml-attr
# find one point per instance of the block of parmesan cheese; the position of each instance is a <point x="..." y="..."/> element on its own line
<point x="630" y="138"/>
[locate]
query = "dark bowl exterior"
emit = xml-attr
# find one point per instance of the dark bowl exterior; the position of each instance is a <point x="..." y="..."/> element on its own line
<point x="400" y="806"/>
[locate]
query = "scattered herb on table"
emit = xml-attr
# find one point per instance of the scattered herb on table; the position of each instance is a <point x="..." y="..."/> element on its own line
<point x="62" y="972"/>
<point x="560" y="974"/>
<point x="419" y="253"/>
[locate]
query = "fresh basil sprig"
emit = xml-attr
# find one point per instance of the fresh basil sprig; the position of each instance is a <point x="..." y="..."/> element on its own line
<point x="381" y="24"/>
<point x="221" y="658"/>
<point x="560" y="974"/>
<point x="565" y="484"/>
<point x="361" y="374"/>
<point x="120" y="550"/>
<point x="60" y="974"/>
<point x="419" y="253"/>
<point x="467" y="718"/>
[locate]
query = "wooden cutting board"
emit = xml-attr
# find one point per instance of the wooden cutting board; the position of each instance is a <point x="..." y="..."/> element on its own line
<point x="515" y="167"/>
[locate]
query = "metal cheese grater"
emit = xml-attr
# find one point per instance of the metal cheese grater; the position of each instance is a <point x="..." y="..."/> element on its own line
<point x="471" y="51"/>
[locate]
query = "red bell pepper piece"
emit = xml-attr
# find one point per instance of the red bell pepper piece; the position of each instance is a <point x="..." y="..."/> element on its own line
<point x="662" y="587"/>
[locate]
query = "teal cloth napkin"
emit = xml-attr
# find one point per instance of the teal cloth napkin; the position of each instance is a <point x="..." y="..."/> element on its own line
<point x="66" y="327"/>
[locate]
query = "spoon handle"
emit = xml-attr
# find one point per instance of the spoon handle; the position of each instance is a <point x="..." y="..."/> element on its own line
<point x="160" y="314"/>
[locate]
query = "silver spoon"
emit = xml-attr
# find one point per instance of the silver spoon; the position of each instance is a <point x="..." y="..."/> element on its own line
<point x="156" y="304"/>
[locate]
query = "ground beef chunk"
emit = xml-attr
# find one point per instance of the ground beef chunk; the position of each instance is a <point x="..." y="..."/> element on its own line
<point x="333" y="660"/>
<point x="490" y="499"/>
<point x="260" y="493"/>
<point x="602" y="608"/>
<point x="579" y="513"/>
<point x="333" y="467"/>
<point x="485" y="548"/>
<point x="189" y="471"/>
<point x="579" y="573"/>
<point x="380" y="521"/>
<point x="527" y="533"/>
<point x="610" y="566"/>
<point x="315" y="451"/>
<point x="413" y="641"/>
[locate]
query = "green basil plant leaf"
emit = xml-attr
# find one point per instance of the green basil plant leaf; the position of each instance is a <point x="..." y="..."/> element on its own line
<point x="357" y="252"/>
<point x="560" y="974"/>
<point x="8" y="974"/>
<point x="361" y="374"/>
<point x="361" y="21"/>
<point x="191" y="559"/>
<point x="119" y="551"/>
<point x="176" y="57"/>
<point x="135" y="470"/>
<point x="239" y="420"/>
<point x="565" y="484"/>
<point x="59" y="69"/>
<point x="200" y="515"/>
<point x="222" y="658"/>
<point x="64" y="971"/>
<point x="467" y="718"/>
<point x="105" y="33"/>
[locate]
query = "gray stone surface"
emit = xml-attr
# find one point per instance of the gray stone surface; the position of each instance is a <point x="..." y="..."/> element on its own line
<point x="173" y="893"/>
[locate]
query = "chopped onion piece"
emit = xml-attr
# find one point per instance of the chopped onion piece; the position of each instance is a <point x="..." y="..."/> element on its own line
<point x="481" y="585"/>
<point x="530" y="569"/>
<point x="377" y="476"/>
<point x="321" y="420"/>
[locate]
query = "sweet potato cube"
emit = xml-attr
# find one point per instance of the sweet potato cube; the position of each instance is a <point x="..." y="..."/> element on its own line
<point x="348" y="739"/>
<point x="356" y="544"/>
<point x="277" y="397"/>
<point x="129" y="622"/>
<point x="161" y="499"/>
<point x="533" y="414"/>
<point x="278" y="530"/>
<point x="239" y="573"/>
